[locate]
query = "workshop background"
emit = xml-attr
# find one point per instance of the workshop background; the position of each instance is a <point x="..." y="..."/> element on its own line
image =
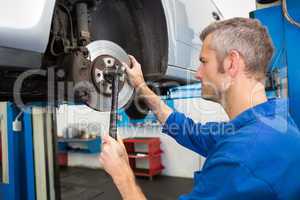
<point x="53" y="154"/>
<point x="196" y="108"/>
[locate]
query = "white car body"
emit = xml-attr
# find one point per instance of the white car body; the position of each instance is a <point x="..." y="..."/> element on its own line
<point x="162" y="34"/>
<point x="27" y="26"/>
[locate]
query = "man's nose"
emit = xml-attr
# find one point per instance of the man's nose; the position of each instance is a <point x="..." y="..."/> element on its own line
<point x="199" y="73"/>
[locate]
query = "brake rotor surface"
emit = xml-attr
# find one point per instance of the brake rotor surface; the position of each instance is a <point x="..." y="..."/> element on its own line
<point x="105" y="54"/>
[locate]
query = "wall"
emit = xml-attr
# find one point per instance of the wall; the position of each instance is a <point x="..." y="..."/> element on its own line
<point x="178" y="161"/>
<point x="234" y="8"/>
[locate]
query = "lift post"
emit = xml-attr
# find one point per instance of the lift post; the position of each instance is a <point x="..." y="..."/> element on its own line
<point x="29" y="169"/>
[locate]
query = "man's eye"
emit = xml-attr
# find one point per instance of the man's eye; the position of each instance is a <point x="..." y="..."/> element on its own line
<point x="202" y="61"/>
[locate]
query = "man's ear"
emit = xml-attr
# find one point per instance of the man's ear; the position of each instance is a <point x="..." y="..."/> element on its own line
<point x="232" y="63"/>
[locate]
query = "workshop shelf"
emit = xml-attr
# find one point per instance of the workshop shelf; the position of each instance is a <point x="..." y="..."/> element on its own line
<point x="144" y="151"/>
<point x="63" y="159"/>
<point x="143" y="155"/>
<point x="92" y="145"/>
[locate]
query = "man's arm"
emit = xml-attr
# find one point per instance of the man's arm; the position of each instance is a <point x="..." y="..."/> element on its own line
<point x="195" y="136"/>
<point x="114" y="159"/>
<point x="128" y="188"/>
<point x="158" y="107"/>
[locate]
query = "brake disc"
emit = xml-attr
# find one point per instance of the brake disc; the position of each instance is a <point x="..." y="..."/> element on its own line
<point x="105" y="54"/>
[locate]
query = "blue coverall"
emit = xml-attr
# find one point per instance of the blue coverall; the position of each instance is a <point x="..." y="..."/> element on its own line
<point x="254" y="156"/>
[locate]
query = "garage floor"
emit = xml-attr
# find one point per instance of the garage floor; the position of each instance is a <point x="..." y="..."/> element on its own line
<point x="89" y="184"/>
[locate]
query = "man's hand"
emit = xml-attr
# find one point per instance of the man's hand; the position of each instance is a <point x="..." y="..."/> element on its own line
<point x="114" y="159"/>
<point x="134" y="73"/>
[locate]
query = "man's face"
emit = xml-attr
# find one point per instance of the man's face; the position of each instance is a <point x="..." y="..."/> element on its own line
<point x="209" y="72"/>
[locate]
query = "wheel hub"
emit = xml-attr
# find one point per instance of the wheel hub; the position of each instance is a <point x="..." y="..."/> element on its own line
<point x="105" y="54"/>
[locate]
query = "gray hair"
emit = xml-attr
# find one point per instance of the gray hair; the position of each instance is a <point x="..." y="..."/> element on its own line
<point x="248" y="37"/>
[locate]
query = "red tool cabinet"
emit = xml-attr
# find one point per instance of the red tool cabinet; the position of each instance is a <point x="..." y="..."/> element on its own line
<point x="145" y="150"/>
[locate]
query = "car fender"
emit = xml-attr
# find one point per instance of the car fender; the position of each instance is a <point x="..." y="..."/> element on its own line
<point x="26" y="26"/>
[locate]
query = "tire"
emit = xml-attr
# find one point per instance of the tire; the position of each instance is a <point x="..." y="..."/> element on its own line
<point x="140" y="32"/>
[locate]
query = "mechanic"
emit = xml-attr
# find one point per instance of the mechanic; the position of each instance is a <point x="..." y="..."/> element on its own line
<point x="256" y="155"/>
